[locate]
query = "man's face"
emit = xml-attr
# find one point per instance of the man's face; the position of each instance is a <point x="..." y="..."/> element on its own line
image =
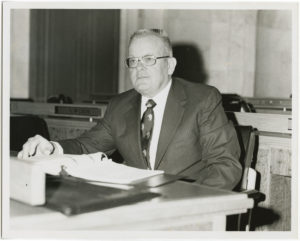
<point x="149" y="80"/>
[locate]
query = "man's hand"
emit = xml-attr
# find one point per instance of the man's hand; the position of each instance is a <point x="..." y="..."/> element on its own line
<point x="36" y="146"/>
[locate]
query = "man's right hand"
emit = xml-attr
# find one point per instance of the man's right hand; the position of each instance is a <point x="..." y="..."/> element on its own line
<point x="36" y="146"/>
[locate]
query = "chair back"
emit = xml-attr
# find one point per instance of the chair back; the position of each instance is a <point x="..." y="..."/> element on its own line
<point x="236" y="103"/>
<point x="246" y="137"/>
<point x="23" y="127"/>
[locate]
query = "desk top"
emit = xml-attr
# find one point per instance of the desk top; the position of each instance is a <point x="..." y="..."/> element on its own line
<point x="179" y="202"/>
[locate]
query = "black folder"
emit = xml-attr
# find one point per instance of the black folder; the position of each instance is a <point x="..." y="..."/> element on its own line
<point x="71" y="196"/>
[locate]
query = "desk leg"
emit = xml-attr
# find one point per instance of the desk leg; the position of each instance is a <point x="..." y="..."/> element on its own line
<point x="219" y="223"/>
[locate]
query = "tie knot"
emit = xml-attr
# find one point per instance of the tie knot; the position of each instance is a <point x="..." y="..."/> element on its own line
<point x="150" y="103"/>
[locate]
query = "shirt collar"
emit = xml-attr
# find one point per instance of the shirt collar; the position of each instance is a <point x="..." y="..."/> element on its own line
<point x="161" y="97"/>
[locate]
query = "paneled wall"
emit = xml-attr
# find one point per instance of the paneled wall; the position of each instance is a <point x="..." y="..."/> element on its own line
<point x="226" y="41"/>
<point x="247" y="52"/>
<point x="222" y="44"/>
<point x="274" y="54"/>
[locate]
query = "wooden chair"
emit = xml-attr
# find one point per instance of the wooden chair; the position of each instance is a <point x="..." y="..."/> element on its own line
<point x="249" y="183"/>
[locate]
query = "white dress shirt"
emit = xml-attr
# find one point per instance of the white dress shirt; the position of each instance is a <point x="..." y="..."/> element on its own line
<point x="160" y="99"/>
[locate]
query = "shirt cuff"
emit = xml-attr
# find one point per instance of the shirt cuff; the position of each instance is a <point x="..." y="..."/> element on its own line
<point x="58" y="150"/>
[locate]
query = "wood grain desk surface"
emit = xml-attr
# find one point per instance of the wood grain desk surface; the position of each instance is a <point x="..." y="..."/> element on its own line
<point x="181" y="204"/>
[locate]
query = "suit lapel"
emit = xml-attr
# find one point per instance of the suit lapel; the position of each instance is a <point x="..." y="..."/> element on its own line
<point x="132" y="122"/>
<point x="172" y="117"/>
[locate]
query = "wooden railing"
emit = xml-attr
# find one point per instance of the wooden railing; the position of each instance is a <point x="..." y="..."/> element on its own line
<point x="271" y="105"/>
<point x="85" y="111"/>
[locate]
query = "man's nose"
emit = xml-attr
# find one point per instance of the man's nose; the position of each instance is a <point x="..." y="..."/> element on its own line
<point x="140" y="65"/>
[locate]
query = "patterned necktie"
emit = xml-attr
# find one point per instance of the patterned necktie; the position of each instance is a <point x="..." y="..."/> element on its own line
<point x="146" y="129"/>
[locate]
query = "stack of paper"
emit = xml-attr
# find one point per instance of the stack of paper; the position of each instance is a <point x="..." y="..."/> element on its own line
<point x="93" y="167"/>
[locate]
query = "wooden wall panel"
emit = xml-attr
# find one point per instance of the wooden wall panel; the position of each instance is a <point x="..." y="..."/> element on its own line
<point x="274" y="167"/>
<point x="276" y="123"/>
<point x="281" y="162"/>
<point x="280" y="201"/>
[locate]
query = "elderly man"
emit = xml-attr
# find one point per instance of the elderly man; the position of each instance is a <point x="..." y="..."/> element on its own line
<point x="163" y="123"/>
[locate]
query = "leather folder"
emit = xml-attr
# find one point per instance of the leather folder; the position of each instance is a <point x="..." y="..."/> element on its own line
<point x="71" y="197"/>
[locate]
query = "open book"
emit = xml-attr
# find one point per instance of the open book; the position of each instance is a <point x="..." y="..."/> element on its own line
<point x="91" y="167"/>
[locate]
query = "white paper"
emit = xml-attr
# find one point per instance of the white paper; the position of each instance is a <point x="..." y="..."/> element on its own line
<point x="93" y="167"/>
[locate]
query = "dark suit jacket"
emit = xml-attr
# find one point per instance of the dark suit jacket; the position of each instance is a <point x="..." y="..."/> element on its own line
<point x="196" y="139"/>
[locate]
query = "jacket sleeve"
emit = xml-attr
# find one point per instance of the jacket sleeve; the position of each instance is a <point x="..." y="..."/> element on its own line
<point x="97" y="139"/>
<point x="219" y="145"/>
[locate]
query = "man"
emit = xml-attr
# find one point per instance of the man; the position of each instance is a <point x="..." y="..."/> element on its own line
<point x="163" y="123"/>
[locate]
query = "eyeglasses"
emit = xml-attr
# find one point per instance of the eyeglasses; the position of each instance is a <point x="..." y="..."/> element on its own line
<point x="147" y="60"/>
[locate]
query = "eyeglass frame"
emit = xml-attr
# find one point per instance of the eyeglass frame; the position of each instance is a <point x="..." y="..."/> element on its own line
<point x="140" y="59"/>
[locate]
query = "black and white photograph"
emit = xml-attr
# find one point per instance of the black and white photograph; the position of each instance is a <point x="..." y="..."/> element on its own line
<point x="149" y="120"/>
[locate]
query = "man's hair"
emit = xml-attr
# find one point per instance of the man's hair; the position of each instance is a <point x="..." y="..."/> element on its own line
<point x="159" y="33"/>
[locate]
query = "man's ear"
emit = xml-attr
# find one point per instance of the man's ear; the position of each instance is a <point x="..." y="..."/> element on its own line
<point x="171" y="65"/>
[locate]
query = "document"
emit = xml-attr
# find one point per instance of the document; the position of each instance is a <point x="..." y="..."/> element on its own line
<point x="94" y="167"/>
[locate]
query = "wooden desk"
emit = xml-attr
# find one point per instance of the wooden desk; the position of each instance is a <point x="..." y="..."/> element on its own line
<point x="182" y="206"/>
